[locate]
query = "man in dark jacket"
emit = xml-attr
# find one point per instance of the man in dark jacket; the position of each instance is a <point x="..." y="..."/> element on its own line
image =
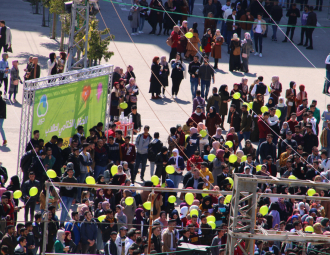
<point x="214" y="100"/>
<point x="267" y="148"/>
<point x="311" y="21"/>
<point x="205" y="74"/>
<point x="155" y="239"/>
<point x="221" y="178"/>
<point x="153" y="149"/>
<point x="310" y="140"/>
<point x="234" y="119"/>
<point x="108" y="225"/>
<point x="276" y="14"/>
<point x="209" y="7"/>
<point x="245" y="125"/>
<point x="136" y="119"/>
<point x="88" y="233"/>
<point x="30" y="246"/>
<point x="74" y="159"/>
<point x="289" y="141"/>
<point x="9" y="239"/>
<point x="26" y="161"/>
<point x="194" y="180"/>
<point x="232" y="26"/>
<point x="33" y="142"/>
<point x="271" y="167"/>
<point x="293" y="13"/>
<point x="110" y="247"/>
<point x="3" y="112"/>
<point x="113" y="151"/>
<point x="37" y="231"/>
<point x="101" y="158"/>
<point x="30" y="201"/>
<point x="57" y="153"/>
<point x="185" y="237"/>
<point x="68" y="193"/>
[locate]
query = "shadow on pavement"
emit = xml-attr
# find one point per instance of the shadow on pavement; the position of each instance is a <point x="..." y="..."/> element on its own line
<point x="42" y="60"/>
<point x="4" y="149"/>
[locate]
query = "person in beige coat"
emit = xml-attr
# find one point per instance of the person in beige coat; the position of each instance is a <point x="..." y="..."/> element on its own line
<point x="169" y="239"/>
<point x="259" y="28"/>
<point x="192" y="45"/>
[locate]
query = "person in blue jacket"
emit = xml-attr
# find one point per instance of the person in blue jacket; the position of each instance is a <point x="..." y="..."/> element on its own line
<point x="88" y="234"/>
<point x="177" y="161"/>
<point x="74" y="227"/>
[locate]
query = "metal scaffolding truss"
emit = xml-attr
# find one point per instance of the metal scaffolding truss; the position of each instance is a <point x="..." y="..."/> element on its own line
<point x="243" y="210"/>
<point x="31" y="86"/>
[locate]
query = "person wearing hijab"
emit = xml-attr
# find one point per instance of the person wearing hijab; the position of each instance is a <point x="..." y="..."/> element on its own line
<point x="14" y="185"/>
<point x="235" y="54"/>
<point x="225" y="98"/>
<point x="155" y="86"/>
<point x="302" y="94"/>
<point x="120" y="177"/>
<point x="99" y="197"/>
<point x="35" y="71"/>
<point x="177" y="75"/>
<point x="283" y="108"/>
<point x="206" y="206"/>
<point x="140" y="222"/>
<point x="14" y="80"/>
<point x="270" y="103"/>
<point x="52" y="64"/>
<point x="68" y="242"/>
<point x="213" y="120"/>
<point x="247" y="47"/>
<point x="168" y="207"/>
<point x="59" y="243"/>
<point x="218" y="136"/>
<point x="129" y="210"/>
<point x="318" y="228"/>
<point x="258" y="102"/>
<point x="161" y="163"/>
<point x="114" y="109"/>
<point x="290" y="96"/>
<point x="249" y="149"/>
<point x="178" y="163"/>
<point x="193" y="142"/>
<point x="164" y="73"/>
<point x="121" y="217"/>
<point x="218" y="40"/>
<point x="276" y="89"/>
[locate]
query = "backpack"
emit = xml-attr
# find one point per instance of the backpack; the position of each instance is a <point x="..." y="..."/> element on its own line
<point x="169" y="41"/>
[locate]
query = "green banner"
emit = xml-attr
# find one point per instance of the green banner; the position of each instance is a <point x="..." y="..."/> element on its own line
<point x="59" y="110"/>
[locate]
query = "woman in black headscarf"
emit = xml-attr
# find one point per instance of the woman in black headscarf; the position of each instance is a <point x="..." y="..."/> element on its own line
<point x="13" y="186"/>
<point x="100" y="179"/>
<point x="213" y="120"/>
<point x="52" y="64"/>
<point x="224" y="94"/>
<point x="161" y="162"/>
<point x="206" y="204"/>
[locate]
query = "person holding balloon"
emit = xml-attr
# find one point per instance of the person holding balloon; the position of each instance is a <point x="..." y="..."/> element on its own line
<point x="128" y="202"/>
<point x="30" y="189"/>
<point x="177" y="162"/>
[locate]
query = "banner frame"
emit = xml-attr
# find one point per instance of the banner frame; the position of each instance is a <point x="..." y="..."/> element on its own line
<point x="28" y="97"/>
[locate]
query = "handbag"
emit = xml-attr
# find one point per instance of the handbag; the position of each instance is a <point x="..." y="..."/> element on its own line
<point x="9" y="49"/>
<point x="130" y="16"/>
<point x="169" y="41"/>
<point x="15" y="82"/>
<point x="244" y="55"/>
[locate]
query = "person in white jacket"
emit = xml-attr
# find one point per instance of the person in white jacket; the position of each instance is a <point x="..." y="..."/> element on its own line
<point x="120" y="240"/>
<point x="130" y="239"/>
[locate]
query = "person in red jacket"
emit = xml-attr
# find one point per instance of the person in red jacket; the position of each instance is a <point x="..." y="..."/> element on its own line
<point x="292" y="122"/>
<point x="264" y="130"/>
<point x="128" y="154"/>
<point x="175" y="39"/>
<point x="195" y="160"/>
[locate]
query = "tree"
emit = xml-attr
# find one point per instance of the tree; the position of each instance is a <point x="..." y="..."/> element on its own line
<point x="98" y="46"/>
<point x="56" y="7"/>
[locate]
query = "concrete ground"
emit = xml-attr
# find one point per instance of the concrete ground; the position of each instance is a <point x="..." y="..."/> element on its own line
<point x="282" y="59"/>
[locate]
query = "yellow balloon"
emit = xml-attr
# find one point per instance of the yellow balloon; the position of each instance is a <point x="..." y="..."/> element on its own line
<point x="172" y="199"/>
<point x="129" y="200"/>
<point x="205" y="194"/>
<point x="263" y="210"/>
<point x="231" y="181"/>
<point x="51" y="173"/>
<point x="163" y="185"/>
<point x="210" y="218"/>
<point x="211" y="157"/>
<point x="212" y="224"/>
<point x="33" y="191"/>
<point x="185" y="137"/>
<point x="155" y="180"/>
<point x="292" y="177"/>
<point x="251" y="105"/>
<point x="189" y="197"/>
<point x="114" y="170"/>
<point x="147" y="205"/>
<point x="123" y="105"/>
<point x="278" y="113"/>
<point x="269" y="89"/>
<point x="229" y="143"/>
<point x="17" y="194"/>
<point x="264" y="109"/>
<point x="200" y="48"/>
<point x="244" y="158"/>
<point x="90" y="180"/>
<point x="247" y="105"/>
<point x="189" y="35"/>
<point x="101" y="218"/>
<point x="236" y="95"/>
<point x="203" y="133"/>
<point x="309" y="229"/>
<point x="311" y="192"/>
<point x="232" y="158"/>
<point x="227" y="199"/>
<point x="194" y="212"/>
<point x="258" y="168"/>
<point x="170" y="169"/>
